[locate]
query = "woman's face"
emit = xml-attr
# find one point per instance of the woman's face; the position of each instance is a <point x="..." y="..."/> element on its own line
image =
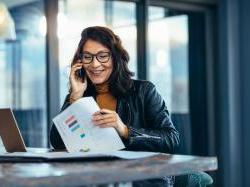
<point x="97" y="71"/>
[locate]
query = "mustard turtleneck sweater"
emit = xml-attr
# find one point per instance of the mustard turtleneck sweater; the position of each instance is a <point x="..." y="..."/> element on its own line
<point x="104" y="98"/>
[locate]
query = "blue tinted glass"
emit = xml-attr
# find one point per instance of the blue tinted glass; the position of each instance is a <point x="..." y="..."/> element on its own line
<point x="22" y="67"/>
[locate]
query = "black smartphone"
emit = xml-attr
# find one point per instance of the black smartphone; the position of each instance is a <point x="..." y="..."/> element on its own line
<point x="80" y="73"/>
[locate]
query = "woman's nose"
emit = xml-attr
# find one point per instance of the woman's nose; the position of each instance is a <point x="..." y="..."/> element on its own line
<point x="95" y="63"/>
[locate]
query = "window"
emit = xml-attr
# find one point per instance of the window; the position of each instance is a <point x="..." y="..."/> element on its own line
<point x="168" y="65"/>
<point x="23" y="74"/>
<point x="168" y="57"/>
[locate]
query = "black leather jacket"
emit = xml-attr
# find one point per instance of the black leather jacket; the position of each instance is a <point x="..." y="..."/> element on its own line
<point x="145" y="113"/>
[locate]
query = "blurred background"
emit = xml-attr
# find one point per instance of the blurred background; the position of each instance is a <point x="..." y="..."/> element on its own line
<point x="196" y="52"/>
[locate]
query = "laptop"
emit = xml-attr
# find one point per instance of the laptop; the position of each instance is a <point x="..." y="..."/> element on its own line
<point x="11" y="135"/>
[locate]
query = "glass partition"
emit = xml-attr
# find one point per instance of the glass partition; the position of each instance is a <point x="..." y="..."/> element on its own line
<point x="168" y="57"/>
<point x="168" y="65"/>
<point x="23" y="73"/>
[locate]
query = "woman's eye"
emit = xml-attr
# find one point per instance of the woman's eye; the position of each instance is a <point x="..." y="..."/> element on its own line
<point x="87" y="57"/>
<point x="103" y="56"/>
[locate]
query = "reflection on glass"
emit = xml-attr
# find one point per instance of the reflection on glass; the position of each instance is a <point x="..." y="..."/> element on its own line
<point x="168" y="67"/>
<point x="74" y="16"/>
<point x="168" y="58"/>
<point x="156" y="13"/>
<point x="22" y="73"/>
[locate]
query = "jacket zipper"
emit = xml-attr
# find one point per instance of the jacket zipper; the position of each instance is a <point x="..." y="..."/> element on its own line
<point x="129" y="114"/>
<point x="144" y="135"/>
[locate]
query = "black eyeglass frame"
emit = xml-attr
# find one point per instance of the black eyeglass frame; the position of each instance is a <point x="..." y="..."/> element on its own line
<point x="96" y="56"/>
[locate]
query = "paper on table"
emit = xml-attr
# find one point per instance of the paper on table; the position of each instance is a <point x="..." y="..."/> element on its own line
<point x="78" y="132"/>
<point x="132" y="154"/>
<point x="77" y="155"/>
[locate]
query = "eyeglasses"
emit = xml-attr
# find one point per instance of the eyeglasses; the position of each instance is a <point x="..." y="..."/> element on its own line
<point x="101" y="56"/>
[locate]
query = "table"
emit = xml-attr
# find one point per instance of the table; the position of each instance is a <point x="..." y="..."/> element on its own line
<point x="101" y="172"/>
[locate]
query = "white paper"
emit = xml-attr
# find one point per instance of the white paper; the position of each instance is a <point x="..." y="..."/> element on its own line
<point x="2" y="148"/>
<point x="77" y="155"/>
<point x="80" y="134"/>
<point x="132" y="154"/>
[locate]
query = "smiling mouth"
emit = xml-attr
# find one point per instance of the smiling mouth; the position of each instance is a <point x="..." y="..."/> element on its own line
<point x="96" y="72"/>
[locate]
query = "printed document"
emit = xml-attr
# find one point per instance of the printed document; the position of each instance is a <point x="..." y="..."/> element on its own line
<point x="80" y="134"/>
<point x="50" y="156"/>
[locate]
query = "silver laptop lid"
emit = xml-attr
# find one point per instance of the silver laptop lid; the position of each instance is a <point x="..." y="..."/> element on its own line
<point x="10" y="133"/>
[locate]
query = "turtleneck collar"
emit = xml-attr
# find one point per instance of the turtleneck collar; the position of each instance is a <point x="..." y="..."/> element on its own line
<point x="102" y="88"/>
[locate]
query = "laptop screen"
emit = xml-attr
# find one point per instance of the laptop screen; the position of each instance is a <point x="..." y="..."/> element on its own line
<point x="10" y="133"/>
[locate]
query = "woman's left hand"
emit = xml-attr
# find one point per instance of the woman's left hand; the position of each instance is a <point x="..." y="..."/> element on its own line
<point x="108" y="118"/>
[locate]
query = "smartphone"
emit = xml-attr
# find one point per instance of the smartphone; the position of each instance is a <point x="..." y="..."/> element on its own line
<point x="80" y="73"/>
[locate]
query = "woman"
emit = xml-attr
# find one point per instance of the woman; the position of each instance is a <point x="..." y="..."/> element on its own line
<point x="133" y="107"/>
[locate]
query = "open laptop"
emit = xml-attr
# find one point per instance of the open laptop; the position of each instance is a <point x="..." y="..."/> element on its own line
<point x="10" y="134"/>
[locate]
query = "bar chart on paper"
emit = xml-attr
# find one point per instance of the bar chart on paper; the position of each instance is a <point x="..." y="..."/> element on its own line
<point x="74" y="131"/>
<point x="74" y="126"/>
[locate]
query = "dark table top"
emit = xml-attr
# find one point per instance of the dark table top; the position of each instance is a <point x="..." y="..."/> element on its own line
<point x="101" y="172"/>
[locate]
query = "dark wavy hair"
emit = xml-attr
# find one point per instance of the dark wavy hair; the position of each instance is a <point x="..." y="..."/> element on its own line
<point x="120" y="81"/>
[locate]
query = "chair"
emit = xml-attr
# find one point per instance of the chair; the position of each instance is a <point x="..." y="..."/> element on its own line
<point x="194" y="179"/>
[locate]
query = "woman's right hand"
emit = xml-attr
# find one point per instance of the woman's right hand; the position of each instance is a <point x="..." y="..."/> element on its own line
<point x="78" y="85"/>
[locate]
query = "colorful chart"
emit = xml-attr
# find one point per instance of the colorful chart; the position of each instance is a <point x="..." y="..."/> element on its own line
<point x="73" y="125"/>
